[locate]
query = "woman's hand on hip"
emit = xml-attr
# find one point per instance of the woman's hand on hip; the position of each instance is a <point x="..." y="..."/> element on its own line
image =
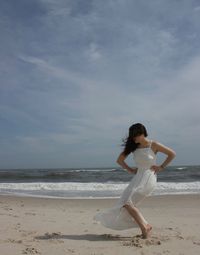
<point x="132" y="170"/>
<point x="156" y="168"/>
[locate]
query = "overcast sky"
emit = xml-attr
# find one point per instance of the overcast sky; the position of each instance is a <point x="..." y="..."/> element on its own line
<point x="76" y="74"/>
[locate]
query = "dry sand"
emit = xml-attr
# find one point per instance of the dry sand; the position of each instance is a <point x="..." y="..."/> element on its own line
<point x="66" y="226"/>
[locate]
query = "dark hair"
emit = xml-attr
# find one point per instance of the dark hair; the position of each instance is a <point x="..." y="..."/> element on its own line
<point x="129" y="143"/>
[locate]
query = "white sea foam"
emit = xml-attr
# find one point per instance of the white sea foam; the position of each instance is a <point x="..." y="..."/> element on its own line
<point x="95" y="189"/>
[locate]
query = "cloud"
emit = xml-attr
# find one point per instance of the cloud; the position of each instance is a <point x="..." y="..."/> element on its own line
<point x="76" y="76"/>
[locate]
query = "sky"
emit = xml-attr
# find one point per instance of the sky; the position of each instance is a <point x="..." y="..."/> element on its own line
<point x="75" y="75"/>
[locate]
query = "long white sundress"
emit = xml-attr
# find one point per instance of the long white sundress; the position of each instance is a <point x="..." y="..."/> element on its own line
<point x="141" y="185"/>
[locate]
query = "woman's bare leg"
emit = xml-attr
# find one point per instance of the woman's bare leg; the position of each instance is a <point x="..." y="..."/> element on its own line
<point x="135" y="213"/>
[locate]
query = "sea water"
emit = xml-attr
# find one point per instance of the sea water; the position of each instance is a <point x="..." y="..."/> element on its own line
<point x="93" y="182"/>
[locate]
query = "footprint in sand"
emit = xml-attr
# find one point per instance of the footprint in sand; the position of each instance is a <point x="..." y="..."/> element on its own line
<point x="15" y="216"/>
<point x="8" y="208"/>
<point x="25" y="233"/>
<point x="196" y="242"/>
<point x="30" y="250"/>
<point x="48" y="236"/>
<point x="13" y="241"/>
<point x="140" y="242"/>
<point x="70" y="250"/>
<point x="17" y="226"/>
<point x="30" y="213"/>
<point x="52" y="235"/>
<point x="177" y="233"/>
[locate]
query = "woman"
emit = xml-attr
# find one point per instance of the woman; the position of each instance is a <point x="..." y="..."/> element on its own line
<point x="125" y="214"/>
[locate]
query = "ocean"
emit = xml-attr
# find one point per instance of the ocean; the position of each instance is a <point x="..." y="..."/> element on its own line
<point x="93" y="182"/>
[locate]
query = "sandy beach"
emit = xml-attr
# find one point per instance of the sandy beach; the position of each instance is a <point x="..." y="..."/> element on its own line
<point x="66" y="226"/>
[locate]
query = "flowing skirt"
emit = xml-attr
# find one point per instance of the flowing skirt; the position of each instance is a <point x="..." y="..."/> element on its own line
<point x="141" y="185"/>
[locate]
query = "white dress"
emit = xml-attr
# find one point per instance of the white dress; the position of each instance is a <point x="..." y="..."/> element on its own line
<point x="141" y="185"/>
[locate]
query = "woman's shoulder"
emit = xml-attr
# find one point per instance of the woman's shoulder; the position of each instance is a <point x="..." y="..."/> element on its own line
<point x="155" y="142"/>
<point x="154" y="145"/>
<point x="158" y="146"/>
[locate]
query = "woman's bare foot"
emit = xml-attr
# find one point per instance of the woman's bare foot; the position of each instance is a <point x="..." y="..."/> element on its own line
<point x="146" y="232"/>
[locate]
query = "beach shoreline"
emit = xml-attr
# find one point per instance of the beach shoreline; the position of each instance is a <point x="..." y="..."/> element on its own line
<point x="36" y="225"/>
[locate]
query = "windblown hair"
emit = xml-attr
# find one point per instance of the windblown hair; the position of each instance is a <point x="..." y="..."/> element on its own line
<point x="128" y="142"/>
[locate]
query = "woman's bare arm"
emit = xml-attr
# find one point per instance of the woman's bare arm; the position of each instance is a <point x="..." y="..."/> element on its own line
<point x="121" y="161"/>
<point x="166" y="150"/>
